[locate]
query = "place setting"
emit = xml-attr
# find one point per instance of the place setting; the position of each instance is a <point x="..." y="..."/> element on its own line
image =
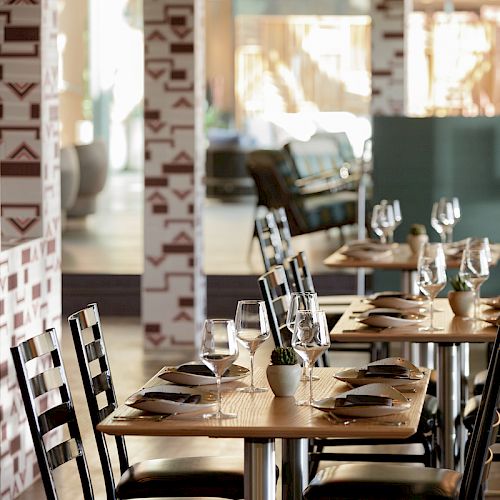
<point x="394" y="371"/>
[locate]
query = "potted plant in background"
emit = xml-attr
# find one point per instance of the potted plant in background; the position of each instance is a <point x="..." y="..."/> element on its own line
<point x="417" y="237"/>
<point x="283" y="374"/>
<point x="461" y="298"/>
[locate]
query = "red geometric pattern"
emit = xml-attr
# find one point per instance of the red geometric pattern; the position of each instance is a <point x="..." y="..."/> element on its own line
<point x="30" y="273"/>
<point x="388" y="85"/>
<point x="173" y="285"/>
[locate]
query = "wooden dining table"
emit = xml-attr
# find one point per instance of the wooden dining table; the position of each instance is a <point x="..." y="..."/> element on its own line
<point x="402" y="259"/>
<point x="455" y="332"/>
<point x="262" y="418"/>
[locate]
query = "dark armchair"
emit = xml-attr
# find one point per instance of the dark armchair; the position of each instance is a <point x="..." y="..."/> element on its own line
<point x="310" y="206"/>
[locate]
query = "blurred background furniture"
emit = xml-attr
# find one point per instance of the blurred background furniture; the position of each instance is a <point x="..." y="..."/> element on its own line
<point x="70" y="179"/>
<point x="93" y="161"/>
<point x="317" y="205"/>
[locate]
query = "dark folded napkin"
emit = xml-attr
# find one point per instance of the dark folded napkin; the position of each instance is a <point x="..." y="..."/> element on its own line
<point x="196" y="370"/>
<point x="363" y="400"/>
<point x="172" y="396"/>
<point x="200" y="370"/>
<point x="387" y="371"/>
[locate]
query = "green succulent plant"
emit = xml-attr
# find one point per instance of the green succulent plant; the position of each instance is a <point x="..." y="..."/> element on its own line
<point x="458" y="284"/>
<point x="283" y="356"/>
<point x="417" y="229"/>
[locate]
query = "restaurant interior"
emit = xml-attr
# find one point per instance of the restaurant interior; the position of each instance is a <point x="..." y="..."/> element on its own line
<point x="202" y="182"/>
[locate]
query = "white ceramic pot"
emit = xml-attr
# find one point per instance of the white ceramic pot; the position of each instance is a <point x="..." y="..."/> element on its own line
<point x="415" y="241"/>
<point x="284" y="379"/>
<point x="461" y="303"/>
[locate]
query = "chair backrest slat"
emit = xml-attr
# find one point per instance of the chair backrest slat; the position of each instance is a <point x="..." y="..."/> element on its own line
<point x="484" y="430"/>
<point x="46" y="381"/>
<point x="101" y="383"/>
<point x="60" y="414"/>
<point x="87" y="351"/>
<point x="63" y="452"/>
<point x="55" y="417"/>
<point x="284" y="229"/>
<point x="94" y="350"/>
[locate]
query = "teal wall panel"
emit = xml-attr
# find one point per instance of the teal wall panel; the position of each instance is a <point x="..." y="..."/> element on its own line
<point x="418" y="160"/>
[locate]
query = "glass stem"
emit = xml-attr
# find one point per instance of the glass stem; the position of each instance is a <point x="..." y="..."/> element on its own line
<point x="219" y="397"/>
<point x="476" y="302"/>
<point x="449" y="235"/>
<point x="251" y="370"/>
<point x="310" y="374"/>
<point x="443" y="236"/>
<point x="390" y="237"/>
<point x="431" y="313"/>
<point x="383" y="239"/>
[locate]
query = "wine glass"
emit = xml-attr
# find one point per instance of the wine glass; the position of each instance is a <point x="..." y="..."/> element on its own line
<point x="481" y="243"/>
<point x="252" y="329"/>
<point x="443" y="219"/>
<point x="301" y="301"/>
<point x="218" y="350"/>
<point x="310" y="339"/>
<point x="382" y="221"/>
<point x="474" y="270"/>
<point x="431" y="275"/>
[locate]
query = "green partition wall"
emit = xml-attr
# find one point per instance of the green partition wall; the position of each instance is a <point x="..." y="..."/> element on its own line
<point x="418" y="160"/>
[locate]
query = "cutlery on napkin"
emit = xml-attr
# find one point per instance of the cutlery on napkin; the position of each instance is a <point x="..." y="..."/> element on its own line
<point x="363" y="400"/>
<point x="169" y="396"/>
<point x="387" y="370"/>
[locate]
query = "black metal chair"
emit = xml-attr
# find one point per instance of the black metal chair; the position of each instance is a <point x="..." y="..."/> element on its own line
<point x="276" y="295"/>
<point x="180" y="477"/>
<point x="61" y="415"/>
<point x="334" y="306"/>
<point x="284" y="231"/>
<point x="355" y="481"/>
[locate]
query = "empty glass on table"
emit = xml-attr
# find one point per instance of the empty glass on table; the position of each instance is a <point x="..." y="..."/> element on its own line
<point x="218" y="351"/>
<point x="300" y="301"/>
<point x="431" y="275"/>
<point x="445" y="214"/>
<point x="474" y="270"/>
<point x="310" y="339"/>
<point x="382" y="222"/>
<point x="252" y="330"/>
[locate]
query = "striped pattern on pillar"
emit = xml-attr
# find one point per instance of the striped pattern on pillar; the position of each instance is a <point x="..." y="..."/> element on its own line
<point x="388" y="57"/>
<point x="173" y="285"/>
<point x="30" y="272"/>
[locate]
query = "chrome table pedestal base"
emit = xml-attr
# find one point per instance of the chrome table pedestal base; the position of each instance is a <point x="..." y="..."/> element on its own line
<point x="260" y="468"/>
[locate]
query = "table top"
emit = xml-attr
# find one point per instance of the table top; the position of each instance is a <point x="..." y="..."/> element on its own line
<point x="402" y="259"/>
<point x="263" y="415"/>
<point x="455" y="329"/>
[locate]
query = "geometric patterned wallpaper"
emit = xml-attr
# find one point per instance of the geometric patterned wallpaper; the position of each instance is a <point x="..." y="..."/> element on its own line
<point x="388" y="57"/>
<point x="173" y="284"/>
<point x="30" y="272"/>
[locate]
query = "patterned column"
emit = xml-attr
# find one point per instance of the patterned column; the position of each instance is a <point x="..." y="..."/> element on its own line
<point x="30" y="272"/>
<point x="388" y="56"/>
<point x="173" y="285"/>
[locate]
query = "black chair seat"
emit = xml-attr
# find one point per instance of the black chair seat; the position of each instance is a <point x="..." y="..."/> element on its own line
<point x="479" y="380"/>
<point x="383" y="481"/>
<point x="216" y="477"/>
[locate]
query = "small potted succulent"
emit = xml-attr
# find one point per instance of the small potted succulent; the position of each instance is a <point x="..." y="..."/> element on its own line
<point x="283" y="374"/>
<point x="417" y="237"/>
<point x="461" y="298"/>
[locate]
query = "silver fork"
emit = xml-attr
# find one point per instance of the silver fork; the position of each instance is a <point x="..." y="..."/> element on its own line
<point x="348" y="421"/>
<point x="151" y="418"/>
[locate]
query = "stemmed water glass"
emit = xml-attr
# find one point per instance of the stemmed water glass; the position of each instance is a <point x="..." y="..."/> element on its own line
<point x="382" y="221"/>
<point x="431" y="275"/>
<point x="252" y="329"/>
<point x="310" y="339"/>
<point x="218" y="350"/>
<point x="301" y="301"/>
<point x="474" y="270"/>
<point x="445" y="214"/>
